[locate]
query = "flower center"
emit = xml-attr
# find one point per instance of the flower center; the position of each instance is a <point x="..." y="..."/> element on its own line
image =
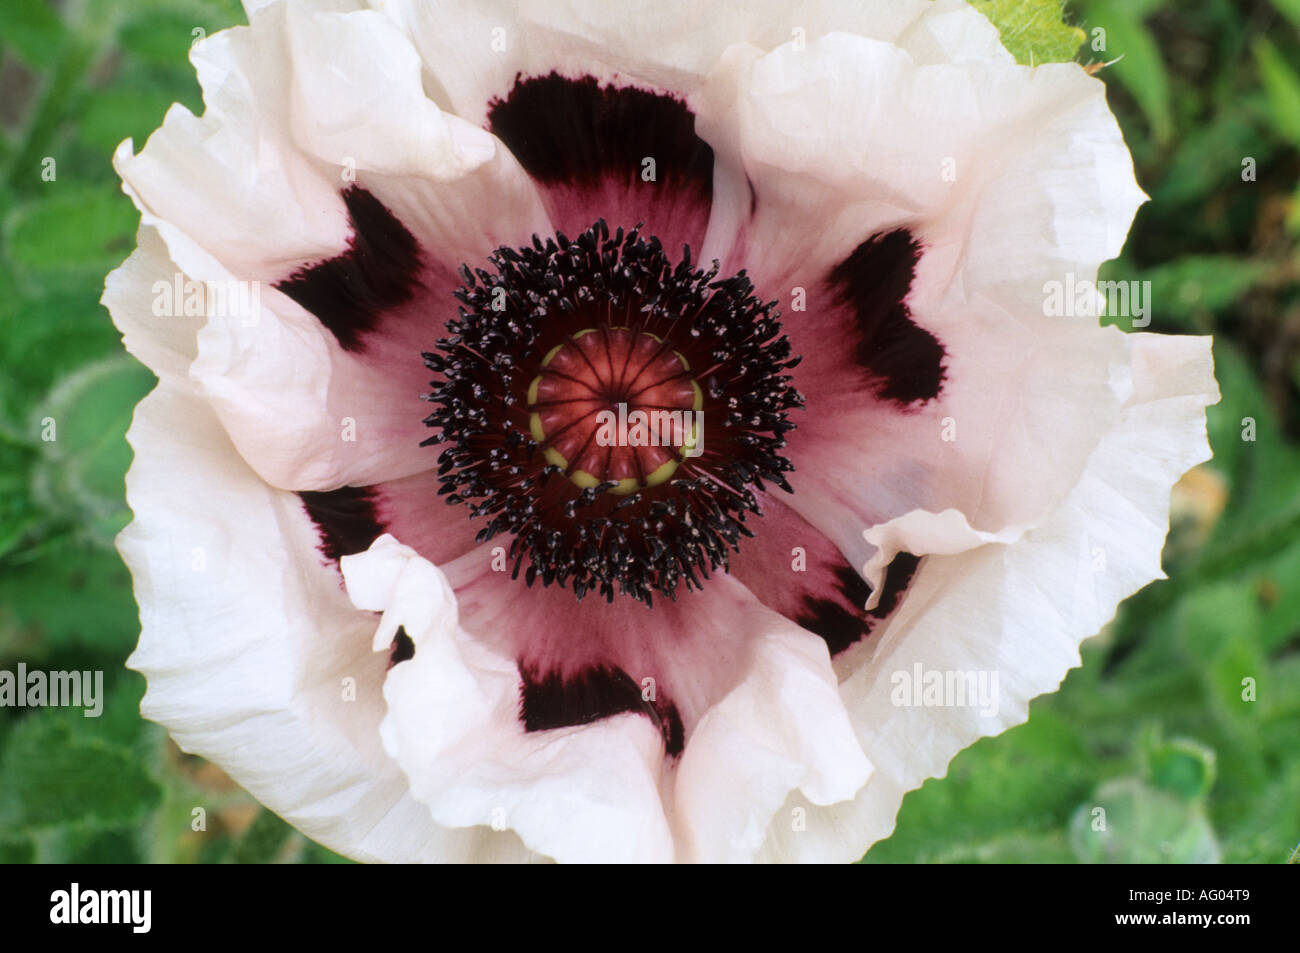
<point x="611" y="410"/>
<point x="616" y="405"/>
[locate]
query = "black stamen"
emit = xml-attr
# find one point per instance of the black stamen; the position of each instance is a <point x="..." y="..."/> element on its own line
<point x="539" y="296"/>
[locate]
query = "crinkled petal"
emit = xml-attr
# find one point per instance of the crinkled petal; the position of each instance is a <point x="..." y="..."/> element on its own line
<point x="783" y="729"/>
<point x="1018" y="611"/>
<point x="760" y="713"/>
<point x="253" y="655"/>
<point x="582" y="794"/>
<point x="965" y="394"/>
<point x="306" y="161"/>
<point x="473" y="52"/>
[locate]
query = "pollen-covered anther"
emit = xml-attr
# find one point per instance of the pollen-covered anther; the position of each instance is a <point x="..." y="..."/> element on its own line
<point x="611" y="410"/>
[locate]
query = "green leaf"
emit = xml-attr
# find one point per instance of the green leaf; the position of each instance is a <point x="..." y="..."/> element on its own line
<point x="126" y="111"/>
<point x="1277" y="583"/>
<point x="1264" y="826"/>
<point x="1262" y="469"/>
<point x="1201" y="284"/>
<point x="1180" y="766"/>
<point x="57" y="333"/>
<point x="33" y="29"/>
<point x="1032" y="30"/>
<point x="82" y="424"/>
<point x="13" y="530"/>
<point x="1011" y="847"/>
<point x="1140" y="67"/>
<point x="72" y="226"/>
<point x="77" y="845"/>
<point x="161" y="37"/>
<point x="1219" y="629"/>
<point x="17" y="850"/>
<point x="70" y="595"/>
<point x="51" y="777"/>
<point x="1141" y="825"/>
<point x="1209" y="157"/>
<point x="1289" y="9"/>
<point x="1185" y="293"/>
<point x="1283" y="88"/>
<point x="1000" y="795"/>
<point x="49" y="114"/>
<point x="263" y="840"/>
<point x="1216" y="618"/>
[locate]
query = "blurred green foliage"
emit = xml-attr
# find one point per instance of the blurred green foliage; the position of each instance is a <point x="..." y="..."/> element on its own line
<point x="1153" y="729"/>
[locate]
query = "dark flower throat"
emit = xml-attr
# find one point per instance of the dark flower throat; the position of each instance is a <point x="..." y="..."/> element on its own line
<point x="559" y="339"/>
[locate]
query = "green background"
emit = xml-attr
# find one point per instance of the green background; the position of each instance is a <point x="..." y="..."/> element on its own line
<point x="1153" y="727"/>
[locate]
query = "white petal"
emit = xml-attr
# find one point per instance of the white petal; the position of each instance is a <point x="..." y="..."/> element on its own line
<point x="358" y="104"/>
<point x="783" y="728"/>
<point x="301" y="105"/>
<point x="235" y="195"/>
<point x="1043" y="187"/>
<point x="247" y="641"/>
<point x="922" y="532"/>
<point x="1020" y="610"/>
<point x="757" y="695"/>
<point x="582" y="794"/>
<point x="980" y="156"/>
<point x="162" y="342"/>
<point x="473" y="52"/>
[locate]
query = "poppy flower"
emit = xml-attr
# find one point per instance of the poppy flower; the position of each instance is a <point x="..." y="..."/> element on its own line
<point x="614" y="431"/>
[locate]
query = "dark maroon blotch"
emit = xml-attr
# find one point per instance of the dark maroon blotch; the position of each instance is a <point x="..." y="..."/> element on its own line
<point x="554" y="701"/>
<point x="402" y="648"/>
<point x="840" y="620"/>
<point x="904" y="360"/>
<point x="345" y="519"/>
<point x="379" y="270"/>
<point x="575" y="131"/>
<point x="898" y="576"/>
